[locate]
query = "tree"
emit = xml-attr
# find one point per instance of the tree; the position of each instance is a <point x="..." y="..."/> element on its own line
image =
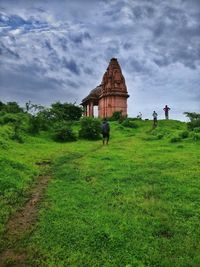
<point x="66" y="112"/>
<point x="192" y="115"/>
<point x="194" y="120"/>
<point x="2" y="105"/>
<point x="12" y="107"/>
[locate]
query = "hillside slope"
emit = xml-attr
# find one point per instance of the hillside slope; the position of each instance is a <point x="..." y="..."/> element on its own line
<point x="134" y="202"/>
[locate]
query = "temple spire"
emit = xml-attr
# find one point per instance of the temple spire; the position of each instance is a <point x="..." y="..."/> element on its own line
<point x="111" y="95"/>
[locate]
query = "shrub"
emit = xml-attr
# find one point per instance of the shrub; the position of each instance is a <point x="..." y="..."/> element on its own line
<point x="117" y="116"/>
<point x="197" y="130"/>
<point x="17" y="132"/>
<point x="3" y="144"/>
<point x="9" y="118"/>
<point x="184" y="134"/>
<point x="194" y="124"/>
<point x="90" y="128"/>
<point x="34" y="125"/>
<point x="159" y="136"/>
<point x="195" y="136"/>
<point x="63" y="132"/>
<point x="129" y="123"/>
<point x="175" y="139"/>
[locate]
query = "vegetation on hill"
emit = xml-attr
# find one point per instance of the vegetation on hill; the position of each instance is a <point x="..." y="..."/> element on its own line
<point x="134" y="202"/>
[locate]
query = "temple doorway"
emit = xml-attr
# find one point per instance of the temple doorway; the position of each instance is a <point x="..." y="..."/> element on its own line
<point x="96" y="114"/>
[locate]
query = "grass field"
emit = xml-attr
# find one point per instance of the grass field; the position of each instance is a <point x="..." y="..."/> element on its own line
<point x="135" y="202"/>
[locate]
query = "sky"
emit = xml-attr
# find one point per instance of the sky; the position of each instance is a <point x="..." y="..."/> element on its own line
<point x="59" y="50"/>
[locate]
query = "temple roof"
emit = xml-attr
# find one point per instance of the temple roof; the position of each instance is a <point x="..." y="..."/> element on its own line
<point x="113" y="83"/>
<point x="94" y="94"/>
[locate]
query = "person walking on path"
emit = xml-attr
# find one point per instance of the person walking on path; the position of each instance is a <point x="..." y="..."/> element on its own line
<point x="105" y="128"/>
<point x="155" y="119"/>
<point x="166" y="110"/>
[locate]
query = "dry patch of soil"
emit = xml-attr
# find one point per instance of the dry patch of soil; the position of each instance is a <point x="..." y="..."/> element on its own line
<point x="21" y="223"/>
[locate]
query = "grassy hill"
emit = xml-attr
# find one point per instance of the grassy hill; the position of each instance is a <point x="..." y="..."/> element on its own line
<point x="135" y="202"/>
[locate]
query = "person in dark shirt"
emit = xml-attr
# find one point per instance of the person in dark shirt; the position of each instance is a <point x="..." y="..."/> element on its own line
<point x="166" y="110"/>
<point x="105" y="129"/>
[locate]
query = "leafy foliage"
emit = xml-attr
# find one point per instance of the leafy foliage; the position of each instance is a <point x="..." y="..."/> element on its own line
<point x="8" y="118"/>
<point x="65" y="112"/>
<point x="117" y="116"/>
<point x="90" y="128"/>
<point x="175" y="139"/>
<point x="194" y="120"/>
<point x="192" y="115"/>
<point x="63" y="132"/>
<point x="184" y="134"/>
<point x="34" y="124"/>
<point x="194" y="124"/>
<point x="17" y="135"/>
<point x="195" y="136"/>
<point x="129" y="123"/>
<point x="10" y="107"/>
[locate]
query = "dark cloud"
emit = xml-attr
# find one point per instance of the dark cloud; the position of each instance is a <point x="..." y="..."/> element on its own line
<point x="52" y="51"/>
<point x="71" y="65"/>
<point x="7" y="52"/>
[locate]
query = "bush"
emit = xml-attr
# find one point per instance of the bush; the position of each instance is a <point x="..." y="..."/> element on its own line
<point x="34" y="125"/>
<point x="17" y="132"/>
<point x="184" y="134"/>
<point x="194" y="124"/>
<point x="117" y="116"/>
<point x="175" y="139"/>
<point x="90" y="128"/>
<point x="63" y="132"/>
<point x="195" y="136"/>
<point x="129" y="124"/>
<point x="8" y="118"/>
<point x="197" y="130"/>
<point x="4" y="144"/>
<point x="160" y="136"/>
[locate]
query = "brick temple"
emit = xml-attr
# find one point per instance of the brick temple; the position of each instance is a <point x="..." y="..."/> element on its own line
<point x="110" y="96"/>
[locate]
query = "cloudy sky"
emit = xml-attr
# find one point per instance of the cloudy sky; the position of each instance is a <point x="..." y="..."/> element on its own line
<point x="58" y="51"/>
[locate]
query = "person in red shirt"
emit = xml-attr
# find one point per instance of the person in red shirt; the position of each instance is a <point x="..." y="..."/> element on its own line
<point x="166" y="110"/>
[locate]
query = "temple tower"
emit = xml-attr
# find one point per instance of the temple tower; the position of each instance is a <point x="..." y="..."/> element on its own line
<point x="110" y="96"/>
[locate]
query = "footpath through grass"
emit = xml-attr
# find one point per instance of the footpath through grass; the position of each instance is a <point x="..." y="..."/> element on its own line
<point x="135" y="202"/>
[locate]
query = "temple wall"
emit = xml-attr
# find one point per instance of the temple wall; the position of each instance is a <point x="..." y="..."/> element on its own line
<point x="109" y="104"/>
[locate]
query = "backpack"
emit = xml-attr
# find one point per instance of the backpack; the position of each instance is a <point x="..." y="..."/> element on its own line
<point x="105" y="128"/>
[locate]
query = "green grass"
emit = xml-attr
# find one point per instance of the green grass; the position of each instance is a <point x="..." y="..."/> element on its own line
<point x="135" y="202"/>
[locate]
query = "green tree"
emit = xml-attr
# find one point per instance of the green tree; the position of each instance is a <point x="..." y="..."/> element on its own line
<point x="12" y="107"/>
<point x="2" y="105"/>
<point x="194" y="120"/>
<point x="66" y="112"/>
<point x="192" y="115"/>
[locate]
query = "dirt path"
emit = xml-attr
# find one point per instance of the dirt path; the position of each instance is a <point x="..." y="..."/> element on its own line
<point x="21" y="224"/>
